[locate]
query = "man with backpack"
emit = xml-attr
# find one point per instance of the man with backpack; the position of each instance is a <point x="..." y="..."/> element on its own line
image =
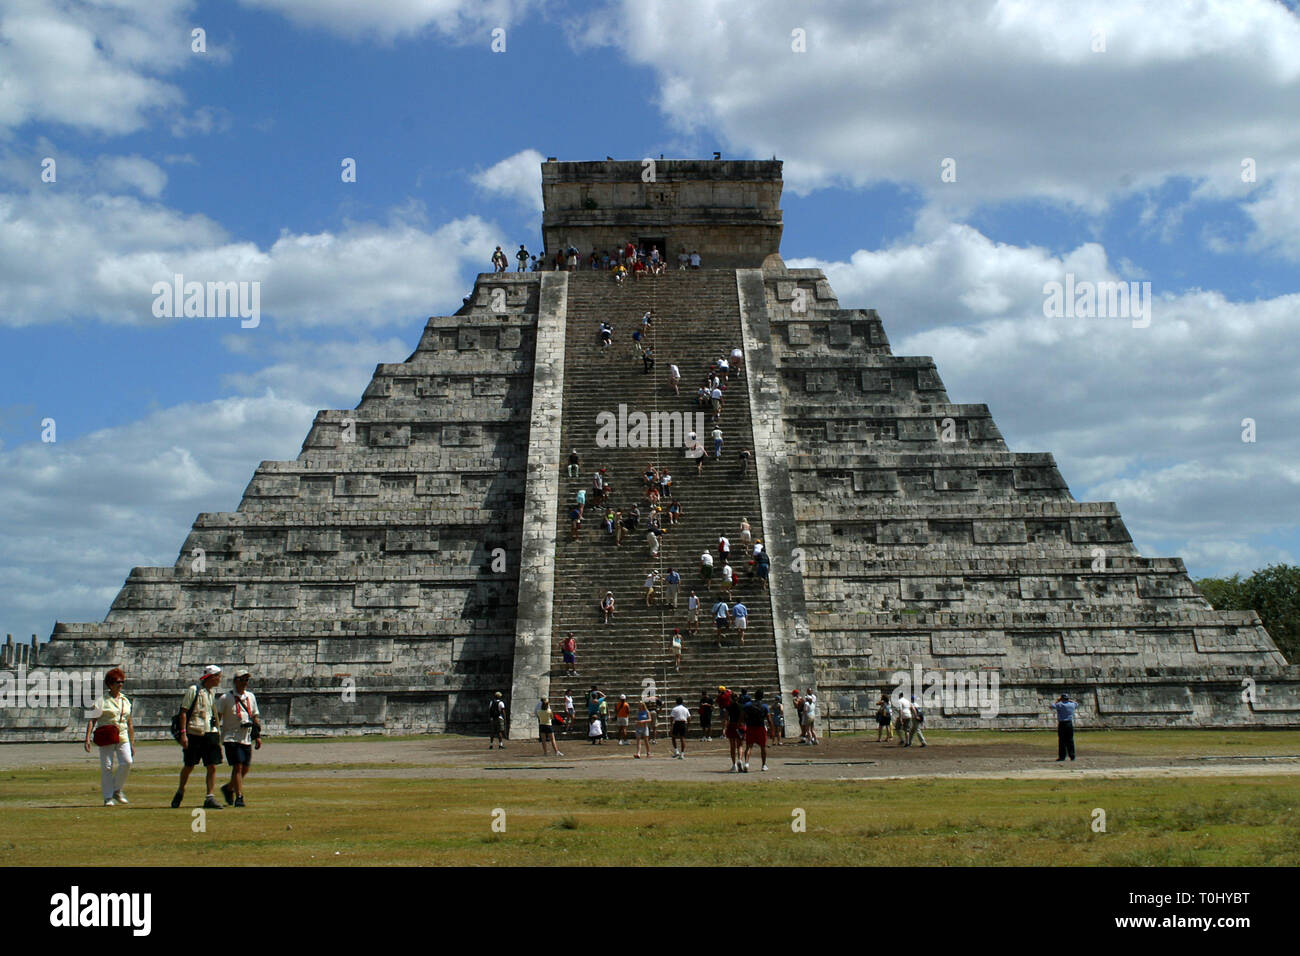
<point x="758" y="722"/>
<point x="195" y="727"/>
<point x="497" y="721"/>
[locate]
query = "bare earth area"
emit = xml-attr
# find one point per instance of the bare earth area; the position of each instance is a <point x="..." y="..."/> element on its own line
<point x="949" y="755"/>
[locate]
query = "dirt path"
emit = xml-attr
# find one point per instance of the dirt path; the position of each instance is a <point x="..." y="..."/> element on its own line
<point x="842" y="759"/>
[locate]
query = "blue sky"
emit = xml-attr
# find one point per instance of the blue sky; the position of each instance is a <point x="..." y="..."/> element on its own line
<point x="1122" y="163"/>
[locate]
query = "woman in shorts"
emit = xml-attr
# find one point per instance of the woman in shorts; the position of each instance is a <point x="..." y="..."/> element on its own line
<point x="607" y="605"/>
<point x="546" y="732"/>
<point x="642" y="729"/>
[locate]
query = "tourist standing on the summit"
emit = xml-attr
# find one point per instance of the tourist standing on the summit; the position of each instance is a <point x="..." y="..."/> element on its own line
<point x="1064" y="709"/>
<point x="522" y="257"/>
<point x="113" y="732"/>
<point x="499" y="264"/>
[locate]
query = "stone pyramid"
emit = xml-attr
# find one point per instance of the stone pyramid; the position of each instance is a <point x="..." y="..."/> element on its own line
<point x="415" y="556"/>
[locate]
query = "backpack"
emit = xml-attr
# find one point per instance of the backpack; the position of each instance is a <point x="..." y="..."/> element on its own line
<point x="177" y="727"/>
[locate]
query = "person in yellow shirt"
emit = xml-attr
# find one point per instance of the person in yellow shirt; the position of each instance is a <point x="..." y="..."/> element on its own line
<point x="114" y="732"/>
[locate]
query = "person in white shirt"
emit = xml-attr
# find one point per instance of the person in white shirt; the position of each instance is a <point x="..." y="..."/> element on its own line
<point x="679" y="716"/>
<point x="113" y="731"/>
<point x="706" y="565"/>
<point x="675" y="376"/>
<point x="810" y="717"/>
<point x="715" y="397"/>
<point x="737" y="360"/>
<point x="651" y="580"/>
<point x="727" y="579"/>
<point x="902" y="714"/>
<point x="241" y="734"/>
<point x="692" y="614"/>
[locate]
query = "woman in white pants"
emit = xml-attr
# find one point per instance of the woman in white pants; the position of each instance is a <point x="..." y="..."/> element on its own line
<point x="114" y="733"/>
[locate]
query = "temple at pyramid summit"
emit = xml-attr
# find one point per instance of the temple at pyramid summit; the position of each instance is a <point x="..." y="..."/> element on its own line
<point x="418" y="554"/>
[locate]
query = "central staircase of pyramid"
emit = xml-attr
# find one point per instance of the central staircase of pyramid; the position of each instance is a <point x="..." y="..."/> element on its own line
<point x="697" y="321"/>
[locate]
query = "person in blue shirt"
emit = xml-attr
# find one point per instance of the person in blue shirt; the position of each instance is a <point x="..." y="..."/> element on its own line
<point x="1064" y="708"/>
<point x="720" y="614"/>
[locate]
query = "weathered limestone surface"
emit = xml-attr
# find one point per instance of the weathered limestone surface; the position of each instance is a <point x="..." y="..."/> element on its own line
<point x="933" y="550"/>
<point x="728" y="211"/>
<point x="371" y="584"/>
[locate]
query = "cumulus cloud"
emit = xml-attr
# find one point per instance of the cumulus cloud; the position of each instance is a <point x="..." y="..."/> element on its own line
<point x="389" y="19"/>
<point x="79" y="514"/>
<point x="1148" y="417"/>
<point x="1012" y="91"/>
<point x="90" y="66"/>
<point x="67" y="255"/>
<point x="517" y="177"/>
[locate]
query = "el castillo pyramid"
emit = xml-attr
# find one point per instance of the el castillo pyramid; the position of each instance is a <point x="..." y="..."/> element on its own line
<point x="417" y="554"/>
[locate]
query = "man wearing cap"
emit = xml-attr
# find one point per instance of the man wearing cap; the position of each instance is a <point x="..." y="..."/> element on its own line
<point x="1064" y="709"/>
<point x="622" y="716"/>
<point x="241" y="734"/>
<point x="200" y="739"/>
<point x="497" y="721"/>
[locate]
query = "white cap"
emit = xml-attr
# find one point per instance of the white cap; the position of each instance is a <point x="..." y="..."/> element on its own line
<point x="212" y="670"/>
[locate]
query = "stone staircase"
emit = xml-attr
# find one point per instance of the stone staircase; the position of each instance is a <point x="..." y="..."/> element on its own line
<point x="697" y="321"/>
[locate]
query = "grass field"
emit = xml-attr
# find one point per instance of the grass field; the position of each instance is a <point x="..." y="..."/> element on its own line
<point x="51" y="817"/>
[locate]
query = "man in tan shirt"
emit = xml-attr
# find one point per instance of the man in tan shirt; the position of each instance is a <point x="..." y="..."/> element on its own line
<point x="200" y="736"/>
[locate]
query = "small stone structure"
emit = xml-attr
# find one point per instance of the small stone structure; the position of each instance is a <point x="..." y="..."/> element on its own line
<point x="729" y="211"/>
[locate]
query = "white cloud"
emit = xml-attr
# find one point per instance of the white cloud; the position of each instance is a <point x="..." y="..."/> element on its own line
<point x="1011" y="90"/>
<point x="518" y="177"/>
<point x="65" y="255"/>
<point x="204" y="121"/>
<point x="79" y="514"/>
<point x="132" y="172"/>
<point x="389" y="19"/>
<point x="90" y="66"/>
